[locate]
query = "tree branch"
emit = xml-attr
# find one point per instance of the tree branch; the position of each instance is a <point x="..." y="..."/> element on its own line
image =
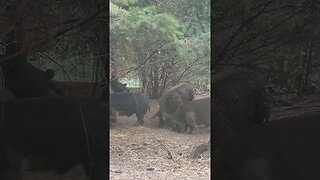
<point x="186" y="70"/>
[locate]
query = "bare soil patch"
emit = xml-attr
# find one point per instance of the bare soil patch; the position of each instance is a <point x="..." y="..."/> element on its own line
<point x="149" y="152"/>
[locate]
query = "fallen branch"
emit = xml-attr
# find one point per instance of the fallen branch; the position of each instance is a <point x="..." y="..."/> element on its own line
<point x="168" y="151"/>
<point x="296" y="105"/>
<point x="179" y="78"/>
<point x="61" y="67"/>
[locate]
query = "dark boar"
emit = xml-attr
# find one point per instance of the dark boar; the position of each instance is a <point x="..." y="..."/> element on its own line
<point x="25" y="80"/>
<point x="129" y="103"/>
<point x="117" y="86"/>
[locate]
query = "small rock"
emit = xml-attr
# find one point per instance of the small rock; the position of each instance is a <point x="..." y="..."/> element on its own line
<point x="117" y="171"/>
<point x="150" y="169"/>
<point x="140" y="148"/>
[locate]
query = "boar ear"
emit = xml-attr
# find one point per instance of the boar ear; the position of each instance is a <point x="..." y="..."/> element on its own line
<point x="50" y="74"/>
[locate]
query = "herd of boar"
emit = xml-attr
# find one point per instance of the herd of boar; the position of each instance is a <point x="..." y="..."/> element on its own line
<point x="239" y="101"/>
<point x="177" y="107"/>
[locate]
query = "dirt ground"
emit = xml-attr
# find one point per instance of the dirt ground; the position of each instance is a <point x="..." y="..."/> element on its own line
<point x="143" y="152"/>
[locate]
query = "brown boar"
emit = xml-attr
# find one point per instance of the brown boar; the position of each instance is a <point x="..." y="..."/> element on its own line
<point x="192" y="113"/>
<point x="171" y="100"/>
